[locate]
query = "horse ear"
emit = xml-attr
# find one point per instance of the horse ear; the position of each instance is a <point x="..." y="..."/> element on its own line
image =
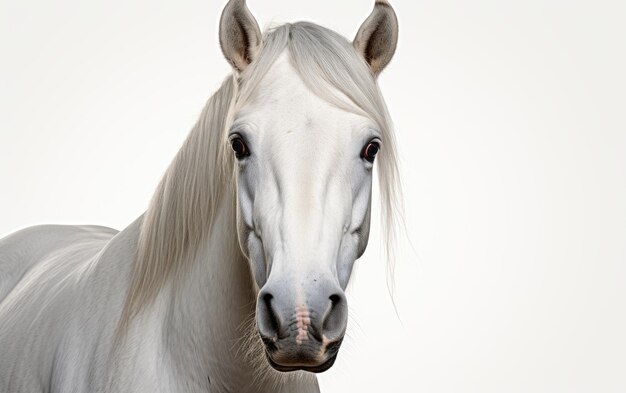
<point x="377" y="38"/>
<point x="240" y="36"/>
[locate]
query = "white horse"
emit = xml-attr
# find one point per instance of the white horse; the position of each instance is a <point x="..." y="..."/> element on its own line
<point x="238" y="267"/>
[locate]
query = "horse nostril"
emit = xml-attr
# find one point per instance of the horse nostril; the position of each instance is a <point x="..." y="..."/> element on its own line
<point x="268" y="321"/>
<point x="335" y="320"/>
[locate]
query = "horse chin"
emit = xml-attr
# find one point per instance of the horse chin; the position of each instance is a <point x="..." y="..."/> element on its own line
<point x="312" y="369"/>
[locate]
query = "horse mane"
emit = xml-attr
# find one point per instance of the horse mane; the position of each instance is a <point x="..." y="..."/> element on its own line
<point x="185" y="203"/>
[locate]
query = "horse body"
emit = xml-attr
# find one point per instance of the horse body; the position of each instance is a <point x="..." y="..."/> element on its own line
<point x="57" y="322"/>
<point x="233" y="279"/>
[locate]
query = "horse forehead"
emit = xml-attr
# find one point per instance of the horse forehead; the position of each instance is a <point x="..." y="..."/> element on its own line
<point x="301" y="135"/>
<point x="286" y="105"/>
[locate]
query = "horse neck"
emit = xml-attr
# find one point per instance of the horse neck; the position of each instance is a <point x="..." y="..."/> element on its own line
<point x="208" y="311"/>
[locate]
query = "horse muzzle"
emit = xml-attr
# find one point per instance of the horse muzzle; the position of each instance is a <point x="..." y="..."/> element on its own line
<point x="302" y="335"/>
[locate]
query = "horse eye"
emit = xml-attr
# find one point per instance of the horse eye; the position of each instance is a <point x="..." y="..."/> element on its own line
<point x="370" y="150"/>
<point x="239" y="147"/>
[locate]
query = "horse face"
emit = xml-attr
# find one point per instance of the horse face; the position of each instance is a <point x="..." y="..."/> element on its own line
<point x="304" y="180"/>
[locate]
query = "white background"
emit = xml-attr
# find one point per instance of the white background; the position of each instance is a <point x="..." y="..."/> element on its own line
<point x="511" y="120"/>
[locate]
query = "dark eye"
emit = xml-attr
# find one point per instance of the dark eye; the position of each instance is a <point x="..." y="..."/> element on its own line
<point x="370" y="150"/>
<point x="239" y="146"/>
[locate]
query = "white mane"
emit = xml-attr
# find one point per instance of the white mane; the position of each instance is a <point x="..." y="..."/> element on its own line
<point x="180" y="215"/>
